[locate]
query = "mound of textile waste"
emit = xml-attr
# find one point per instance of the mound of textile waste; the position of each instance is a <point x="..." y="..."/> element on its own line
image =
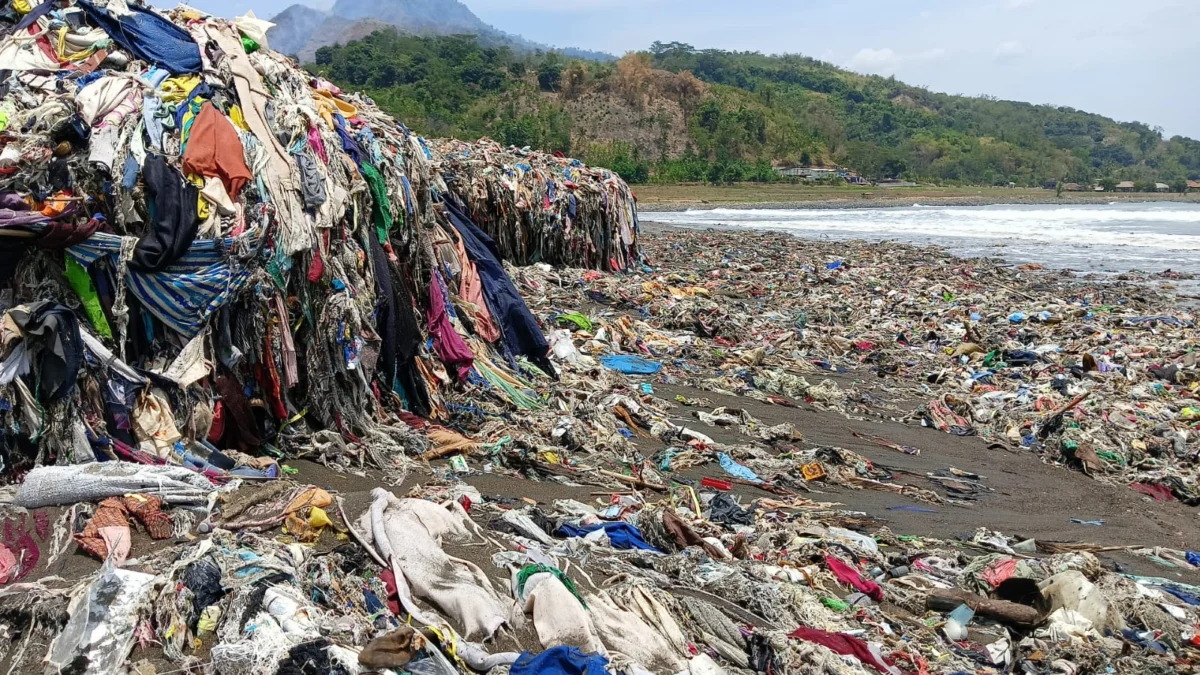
<point x="205" y="252"/>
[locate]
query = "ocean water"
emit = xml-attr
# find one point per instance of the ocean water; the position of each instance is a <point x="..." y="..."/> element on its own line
<point x="1112" y="238"/>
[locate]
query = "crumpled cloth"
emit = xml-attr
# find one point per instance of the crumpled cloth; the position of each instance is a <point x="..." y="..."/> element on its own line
<point x="559" y="661"/>
<point x="849" y="576"/>
<point x="846" y="645"/>
<point x="55" y="331"/>
<point x="449" y="345"/>
<point x="108" y="530"/>
<point x="622" y="535"/>
<point x="215" y="150"/>
<point x="58" y="485"/>
<point x="148" y="36"/>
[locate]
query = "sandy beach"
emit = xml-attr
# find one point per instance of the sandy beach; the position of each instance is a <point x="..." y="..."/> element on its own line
<point x="653" y="198"/>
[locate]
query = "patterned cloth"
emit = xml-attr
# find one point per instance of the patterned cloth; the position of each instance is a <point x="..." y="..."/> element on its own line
<point x="114" y="512"/>
<point x="184" y="294"/>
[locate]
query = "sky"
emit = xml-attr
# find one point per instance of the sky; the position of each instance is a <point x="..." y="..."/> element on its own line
<point x="1127" y="60"/>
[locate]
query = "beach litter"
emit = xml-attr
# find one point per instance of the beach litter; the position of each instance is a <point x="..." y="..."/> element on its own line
<point x="294" y="389"/>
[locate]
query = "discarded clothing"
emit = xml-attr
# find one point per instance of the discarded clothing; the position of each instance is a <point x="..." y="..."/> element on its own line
<point x="54" y="330"/>
<point x="560" y="661"/>
<point x="214" y="149"/>
<point x="850" y="576"/>
<point x="737" y="470"/>
<point x="148" y="36"/>
<point x="621" y="534"/>
<point x="175" y="220"/>
<point x="846" y="645"/>
<point x="184" y="296"/>
<point x="521" y="331"/>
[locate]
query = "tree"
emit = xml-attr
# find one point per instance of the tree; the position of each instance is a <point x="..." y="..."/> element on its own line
<point x="1058" y="189"/>
<point x="1108" y="184"/>
<point x="1179" y="185"/>
<point x="550" y="73"/>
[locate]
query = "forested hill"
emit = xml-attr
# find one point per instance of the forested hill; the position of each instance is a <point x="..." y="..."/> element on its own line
<point x="678" y="113"/>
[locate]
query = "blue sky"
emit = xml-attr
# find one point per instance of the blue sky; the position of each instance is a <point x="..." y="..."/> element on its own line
<point x="1128" y="60"/>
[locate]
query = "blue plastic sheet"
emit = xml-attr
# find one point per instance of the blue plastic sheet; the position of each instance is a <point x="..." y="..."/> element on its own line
<point x="737" y="470"/>
<point x="622" y="535"/>
<point x="631" y="365"/>
<point x="1193" y="557"/>
<point x="559" y="661"/>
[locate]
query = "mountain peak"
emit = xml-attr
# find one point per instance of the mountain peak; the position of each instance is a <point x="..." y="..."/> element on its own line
<point x="301" y="30"/>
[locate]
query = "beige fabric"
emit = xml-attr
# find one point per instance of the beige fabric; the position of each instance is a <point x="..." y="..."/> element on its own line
<point x="155" y="426"/>
<point x="190" y="366"/>
<point x="625" y="633"/>
<point x="296" y="229"/>
<point x="103" y="96"/>
<point x="412" y="533"/>
<point x="558" y="616"/>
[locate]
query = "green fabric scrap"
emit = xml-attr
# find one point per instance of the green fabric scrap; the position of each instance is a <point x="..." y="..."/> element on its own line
<point x="835" y="604"/>
<point x="77" y="276"/>
<point x="381" y="207"/>
<point x="530" y="570"/>
<point x="581" y="322"/>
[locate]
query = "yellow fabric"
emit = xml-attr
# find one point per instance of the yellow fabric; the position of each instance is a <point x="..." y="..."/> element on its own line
<point x="235" y="115"/>
<point x="318" y="518"/>
<point x="327" y="104"/>
<point x="22" y="6"/>
<point x="202" y="208"/>
<point x="176" y="89"/>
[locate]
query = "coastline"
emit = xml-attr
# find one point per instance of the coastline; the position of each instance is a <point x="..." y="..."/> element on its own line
<point x="659" y="198"/>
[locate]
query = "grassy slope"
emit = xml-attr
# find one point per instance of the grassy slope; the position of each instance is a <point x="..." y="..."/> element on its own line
<point x="678" y="114"/>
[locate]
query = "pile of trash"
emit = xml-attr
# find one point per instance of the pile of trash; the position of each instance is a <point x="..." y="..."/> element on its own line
<point x="540" y="207"/>
<point x="1098" y="373"/>
<point x="219" y="273"/>
<point x="209" y="253"/>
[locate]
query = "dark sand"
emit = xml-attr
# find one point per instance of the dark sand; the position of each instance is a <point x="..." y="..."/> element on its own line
<point x="1027" y="498"/>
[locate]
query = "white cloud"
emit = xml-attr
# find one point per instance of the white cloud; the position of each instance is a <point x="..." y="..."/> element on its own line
<point x="887" y="60"/>
<point x="1010" y="50"/>
<point x="1017" y="4"/>
<point x="874" y="60"/>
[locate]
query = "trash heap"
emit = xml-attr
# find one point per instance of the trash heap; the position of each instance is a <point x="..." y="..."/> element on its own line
<point x="1099" y="374"/>
<point x="227" y="286"/>
<point x="539" y="207"/>
<point x="209" y="253"/>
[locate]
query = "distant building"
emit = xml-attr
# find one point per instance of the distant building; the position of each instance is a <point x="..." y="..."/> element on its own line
<point x="1162" y="187"/>
<point x="1125" y="186"/>
<point x="1074" y="187"/>
<point x="1193" y="185"/>
<point x="1098" y="188"/>
<point x="808" y="172"/>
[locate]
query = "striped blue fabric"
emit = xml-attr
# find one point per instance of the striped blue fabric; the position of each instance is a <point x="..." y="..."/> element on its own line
<point x="184" y="295"/>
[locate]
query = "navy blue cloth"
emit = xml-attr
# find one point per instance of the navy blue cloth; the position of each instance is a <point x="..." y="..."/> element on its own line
<point x="1181" y="594"/>
<point x="1194" y="557"/>
<point x="521" y="332"/>
<point x="559" y="661"/>
<point x="622" y="535"/>
<point x="149" y="37"/>
<point x="349" y="145"/>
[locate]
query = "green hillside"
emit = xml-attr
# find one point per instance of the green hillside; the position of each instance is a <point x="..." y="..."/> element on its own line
<point x="675" y="113"/>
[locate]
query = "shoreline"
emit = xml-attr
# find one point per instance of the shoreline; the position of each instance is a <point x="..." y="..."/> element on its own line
<point x="656" y="199"/>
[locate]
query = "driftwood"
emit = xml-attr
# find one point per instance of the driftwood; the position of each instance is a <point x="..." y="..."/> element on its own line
<point x="945" y="600"/>
<point x="633" y="481"/>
